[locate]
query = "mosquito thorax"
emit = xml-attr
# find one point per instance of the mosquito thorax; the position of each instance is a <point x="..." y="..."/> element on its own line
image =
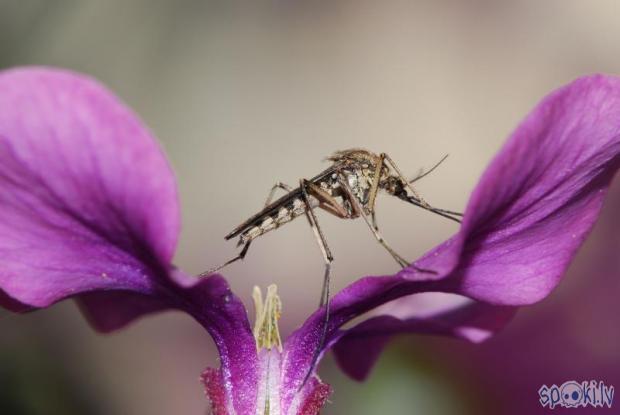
<point x="354" y="155"/>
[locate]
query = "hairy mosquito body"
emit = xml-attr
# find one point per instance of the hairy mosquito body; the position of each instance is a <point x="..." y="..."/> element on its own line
<point x="356" y="168"/>
<point x="348" y="190"/>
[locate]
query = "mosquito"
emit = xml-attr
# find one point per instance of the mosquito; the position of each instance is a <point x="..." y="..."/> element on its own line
<point x="347" y="189"/>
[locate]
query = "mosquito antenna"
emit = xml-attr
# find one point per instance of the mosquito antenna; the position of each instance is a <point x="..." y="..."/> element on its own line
<point x="423" y="175"/>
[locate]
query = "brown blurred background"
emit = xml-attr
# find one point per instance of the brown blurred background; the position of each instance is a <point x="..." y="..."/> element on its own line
<point x="244" y="94"/>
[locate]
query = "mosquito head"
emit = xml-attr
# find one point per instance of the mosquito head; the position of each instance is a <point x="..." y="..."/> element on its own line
<point x="393" y="185"/>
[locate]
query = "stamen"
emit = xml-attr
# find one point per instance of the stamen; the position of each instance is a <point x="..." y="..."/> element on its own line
<point x="266" y="331"/>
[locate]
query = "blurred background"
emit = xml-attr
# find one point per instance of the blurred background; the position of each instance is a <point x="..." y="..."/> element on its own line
<point x="244" y="94"/>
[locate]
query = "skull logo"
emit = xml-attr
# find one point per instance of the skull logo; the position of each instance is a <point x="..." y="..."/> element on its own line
<point x="571" y="394"/>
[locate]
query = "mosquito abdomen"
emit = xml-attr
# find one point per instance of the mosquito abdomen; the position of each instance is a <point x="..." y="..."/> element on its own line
<point x="272" y="221"/>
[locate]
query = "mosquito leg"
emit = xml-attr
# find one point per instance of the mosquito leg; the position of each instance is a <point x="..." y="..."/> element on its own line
<point x="328" y="258"/>
<point x="374" y="188"/>
<point x="373" y="218"/>
<point x="372" y="225"/>
<point x="372" y="222"/>
<point x="399" y="259"/>
<point x="318" y="234"/>
<point x="376" y="178"/>
<point x="246" y="246"/>
<point x="241" y="255"/>
<point x="329" y="204"/>
<point x="278" y="185"/>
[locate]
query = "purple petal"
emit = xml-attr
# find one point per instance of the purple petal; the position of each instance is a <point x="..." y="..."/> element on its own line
<point x="358" y="348"/>
<point x="211" y="302"/>
<point x="88" y="207"/>
<point x="538" y="200"/>
<point x="353" y="301"/>
<point x="87" y="199"/>
<point x="234" y="386"/>
<point x="12" y="305"/>
<point x="573" y="337"/>
<point x="112" y="310"/>
<point x="531" y="211"/>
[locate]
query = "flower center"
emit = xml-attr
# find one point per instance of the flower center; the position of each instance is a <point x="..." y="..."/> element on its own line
<point x="266" y="332"/>
<point x="267" y="337"/>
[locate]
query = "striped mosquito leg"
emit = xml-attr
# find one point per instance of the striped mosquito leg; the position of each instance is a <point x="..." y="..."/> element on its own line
<point x="328" y="258"/>
<point x="320" y="239"/>
<point x="373" y="217"/>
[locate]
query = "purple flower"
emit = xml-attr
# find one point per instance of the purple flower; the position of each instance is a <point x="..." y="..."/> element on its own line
<point x="89" y="210"/>
<point x="574" y="337"/>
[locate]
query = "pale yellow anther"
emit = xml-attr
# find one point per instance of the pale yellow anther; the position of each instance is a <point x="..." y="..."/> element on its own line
<point x="266" y="332"/>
